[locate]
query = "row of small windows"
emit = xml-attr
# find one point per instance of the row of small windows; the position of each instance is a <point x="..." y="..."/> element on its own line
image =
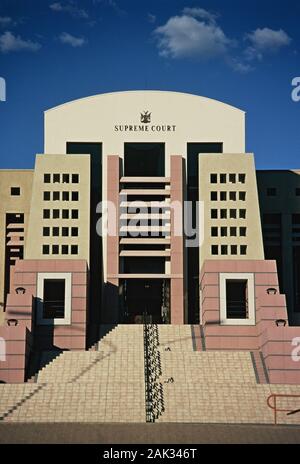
<point x="224" y="178"/>
<point x="225" y="231"/>
<point x="61" y="178"/>
<point x="65" y="231"/>
<point x="230" y="213"/>
<point x="223" y="196"/>
<point x="65" y="196"/>
<point x="272" y="192"/>
<point x="60" y="249"/>
<point x="228" y="249"/>
<point x="63" y="214"/>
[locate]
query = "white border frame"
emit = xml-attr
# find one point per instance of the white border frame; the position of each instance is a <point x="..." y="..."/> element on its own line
<point x="251" y="298"/>
<point x="67" y="276"/>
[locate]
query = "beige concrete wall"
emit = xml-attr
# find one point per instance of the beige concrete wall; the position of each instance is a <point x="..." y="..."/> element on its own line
<point x="59" y="164"/>
<point x="12" y="204"/>
<point x="230" y="164"/>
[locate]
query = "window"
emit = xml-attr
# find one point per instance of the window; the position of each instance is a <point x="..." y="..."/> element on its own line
<point x="75" y="214"/>
<point x="55" y="196"/>
<point x="65" y="196"/>
<point x="74" y="249"/>
<point x="242" y="178"/>
<point x="236" y="299"/>
<point x="56" y="178"/>
<point x="223" y="178"/>
<point x="74" y="231"/>
<point x="45" y="249"/>
<point x="213" y="196"/>
<point x="64" y="249"/>
<point x="232" y="213"/>
<point x="46" y="231"/>
<point x="214" y="213"/>
<point x="242" y="214"/>
<point x="15" y="191"/>
<point x="233" y="249"/>
<point x="232" y="178"/>
<point x="75" y="178"/>
<point x="46" y="213"/>
<point x="232" y="231"/>
<point x="243" y="249"/>
<point x="214" y="231"/>
<point x="53" y="306"/>
<point x="271" y="192"/>
<point x="224" y="249"/>
<point x="297" y="191"/>
<point x="223" y="213"/>
<point x="75" y="196"/>
<point x="46" y="196"/>
<point x="213" y="178"/>
<point x="223" y="231"/>
<point x="55" y="231"/>
<point x="47" y="178"/>
<point x="273" y="218"/>
<point x="242" y="196"/>
<point x="65" y="178"/>
<point x="65" y="231"/>
<point x="54" y="299"/>
<point x="223" y="196"/>
<point x="55" y="249"/>
<point x="55" y="213"/>
<point x="232" y="196"/>
<point x="242" y="231"/>
<point x="214" y="249"/>
<point x="65" y="214"/>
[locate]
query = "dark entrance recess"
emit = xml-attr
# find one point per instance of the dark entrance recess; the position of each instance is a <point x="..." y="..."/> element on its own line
<point x="96" y="278"/>
<point x="144" y="159"/>
<point x="193" y="150"/>
<point x="145" y="301"/>
<point x="54" y="299"/>
<point x="236" y="299"/>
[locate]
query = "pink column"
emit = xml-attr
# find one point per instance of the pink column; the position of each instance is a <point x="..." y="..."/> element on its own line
<point x="177" y="284"/>
<point x="112" y="254"/>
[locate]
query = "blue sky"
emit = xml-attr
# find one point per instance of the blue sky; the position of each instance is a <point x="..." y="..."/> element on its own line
<point x="244" y="53"/>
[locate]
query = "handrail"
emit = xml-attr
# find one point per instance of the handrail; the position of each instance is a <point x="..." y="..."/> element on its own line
<point x="276" y="409"/>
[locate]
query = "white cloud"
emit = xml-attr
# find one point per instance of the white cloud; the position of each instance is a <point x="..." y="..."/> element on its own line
<point x="200" y="13"/>
<point x="12" y="43"/>
<point x="70" y="8"/>
<point x="69" y="39"/>
<point x="185" y="36"/>
<point x="5" y="20"/>
<point x="265" y="41"/>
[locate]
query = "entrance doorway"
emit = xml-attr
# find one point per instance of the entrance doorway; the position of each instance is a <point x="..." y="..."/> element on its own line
<point x="145" y="301"/>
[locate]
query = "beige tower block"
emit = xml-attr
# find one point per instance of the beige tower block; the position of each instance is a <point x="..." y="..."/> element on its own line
<point x="61" y="187"/>
<point x="229" y="208"/>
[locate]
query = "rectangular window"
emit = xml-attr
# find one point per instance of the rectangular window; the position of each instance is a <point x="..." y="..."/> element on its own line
<point x="214" y="249"/>
<point x="223" y="196"/>
<point x="75" y="178"/>
<point x="65" y="214"/>
<point x="223" y="178"/>
<point x="232" y="196"/>
<point x="223" y="231"/>
<point x="56" y="196"/>
<point x="55" y="231"/>
<point x="236" y="299"/>
<point x="65" y="231"/>
<point x="224" y="249"/>
<point x="65" y="178"/>
<point x="214" y="231"/>
<point x="232" y="213"/>
<point x="45" y="249"/>
<point x="214" y="214"/>
<point x="242" y="214"/>
<point x="54" y="299"/>
<point x="65" y="196"/>
<point x="46" y="196"/>
<point x="75" y="196"/>
<point x="232" y="178"/>
<point x="74" y="231"/>
<point x="243" y="249"/>
<point x="223" y="213"/>
<point x="213" y="196"/>
<point x="213" y="179"/>
<point x="75" y="213"/>
<point x="55" y="213"/>
<point x="242" y="196"/>
<point x="242" y="178"/>
<point x="297" y="192"/>
<point x="74" y="249"/>
<point x="55" y="249"/>
<point x="46" y="231"/>
<point x="233" y="249"/>
<point x="232" y="231"/>
<point x="15" y="191"/>
<point x="242" y="231"/>
<point x="46" y="213"/>
<point x="47" y="178"/>
<point x="64" y="249"/>
<point x="56" y="178"/>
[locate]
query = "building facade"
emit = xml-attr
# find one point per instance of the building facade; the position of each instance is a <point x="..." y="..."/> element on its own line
<point x="145" y="207"/>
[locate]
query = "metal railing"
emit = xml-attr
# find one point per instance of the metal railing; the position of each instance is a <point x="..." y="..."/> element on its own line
<point x="276" y="409"/>
<point x="154" y="401"/>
